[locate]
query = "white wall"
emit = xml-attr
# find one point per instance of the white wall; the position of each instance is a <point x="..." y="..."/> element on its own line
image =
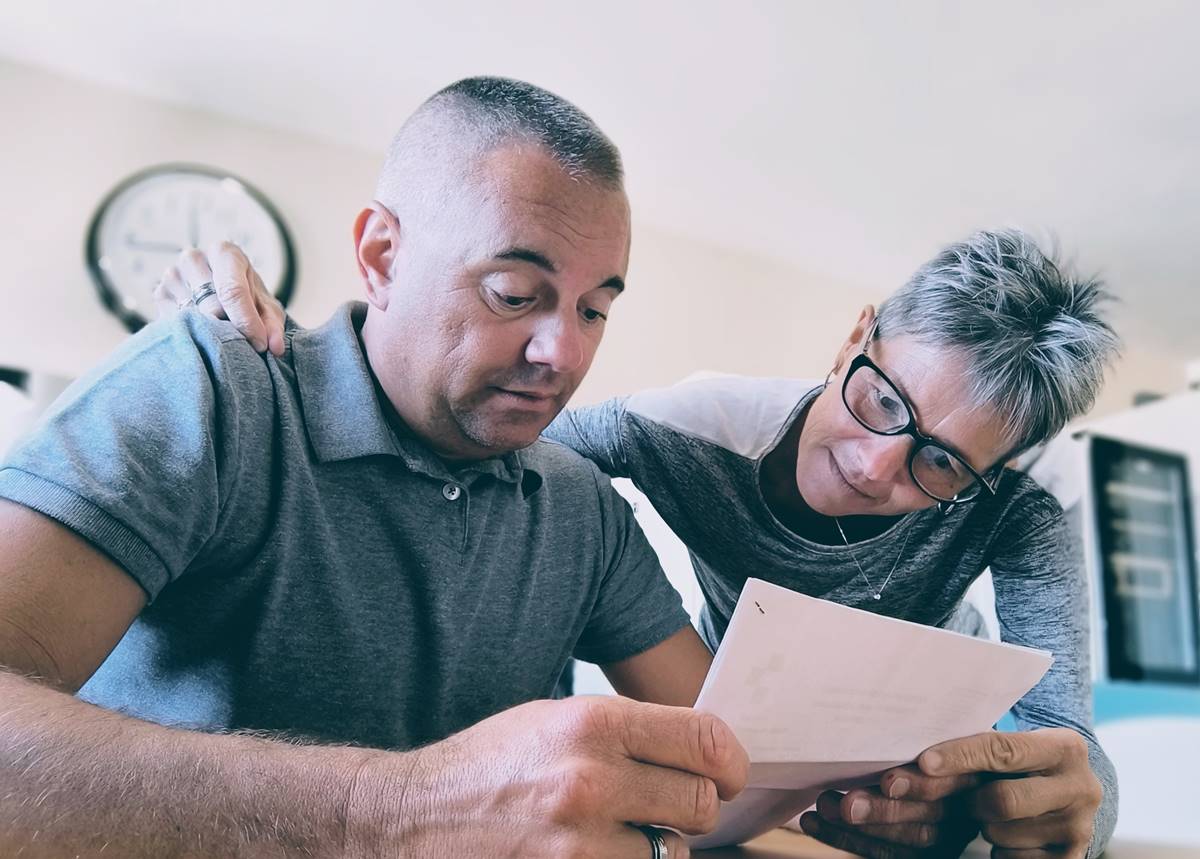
<point x="690" y="305"/>
<point x="66" y="144"/>
<point x="16" y="409"/>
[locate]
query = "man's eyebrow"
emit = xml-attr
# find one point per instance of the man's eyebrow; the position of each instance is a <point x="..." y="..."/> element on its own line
<point x="541" y="261"/>
<point x="529" y="256"/>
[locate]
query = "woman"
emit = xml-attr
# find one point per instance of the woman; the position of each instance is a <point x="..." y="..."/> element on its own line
<point x="884" y="488"/>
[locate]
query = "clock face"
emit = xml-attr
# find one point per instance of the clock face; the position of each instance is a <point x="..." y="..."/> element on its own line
<point x="150" y="218"/>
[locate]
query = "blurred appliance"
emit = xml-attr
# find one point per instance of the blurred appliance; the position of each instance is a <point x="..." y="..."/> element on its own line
<point x="1139" y="472"/>
<point x="1146" y="562"/>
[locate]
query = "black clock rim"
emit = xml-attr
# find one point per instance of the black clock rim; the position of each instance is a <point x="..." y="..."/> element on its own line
<point x="133" y="320"/>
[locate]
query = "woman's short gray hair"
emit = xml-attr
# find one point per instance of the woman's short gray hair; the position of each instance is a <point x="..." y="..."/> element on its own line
<point x="1033" y="336"/>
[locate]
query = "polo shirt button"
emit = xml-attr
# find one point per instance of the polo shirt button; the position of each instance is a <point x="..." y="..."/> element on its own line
<point x="451" y="492"/>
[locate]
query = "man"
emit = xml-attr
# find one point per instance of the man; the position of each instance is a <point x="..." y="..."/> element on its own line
<point x="884" y="488"/>
<point x="326" y="564"/>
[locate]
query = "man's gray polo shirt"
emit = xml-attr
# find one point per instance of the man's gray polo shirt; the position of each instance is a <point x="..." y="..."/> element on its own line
<point x="310" y="569"/>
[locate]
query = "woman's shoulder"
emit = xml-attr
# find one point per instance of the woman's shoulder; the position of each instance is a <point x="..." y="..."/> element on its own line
<point x="742" y="414"/>
<point x="1021" y="505"/>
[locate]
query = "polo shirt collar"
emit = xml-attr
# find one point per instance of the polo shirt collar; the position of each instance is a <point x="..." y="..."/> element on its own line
<point x="342" y="413"/>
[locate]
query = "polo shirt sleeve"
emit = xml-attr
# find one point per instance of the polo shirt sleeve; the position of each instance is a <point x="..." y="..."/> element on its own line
<point x="636" y="607"/>
<point x="130" y="456"/>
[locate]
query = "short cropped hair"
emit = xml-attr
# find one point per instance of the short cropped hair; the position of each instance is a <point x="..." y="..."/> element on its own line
<point x="1033" y="334"/>
<point x="476" y="115"/>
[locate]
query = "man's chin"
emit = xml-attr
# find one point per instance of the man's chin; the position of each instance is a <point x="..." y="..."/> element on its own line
<point x="500" y="437"/>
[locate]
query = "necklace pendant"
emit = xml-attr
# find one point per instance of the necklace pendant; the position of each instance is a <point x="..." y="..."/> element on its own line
<point x="877" y="596"/>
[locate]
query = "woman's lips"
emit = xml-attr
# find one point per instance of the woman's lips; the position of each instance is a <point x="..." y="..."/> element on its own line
<point x="837" y="469"/>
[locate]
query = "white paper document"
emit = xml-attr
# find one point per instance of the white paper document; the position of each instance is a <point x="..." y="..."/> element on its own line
<point x="825" y="696"/>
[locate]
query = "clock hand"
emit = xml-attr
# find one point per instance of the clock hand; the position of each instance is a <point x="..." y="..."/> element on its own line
<point x="153" y="247"/>
<point x="193" y="228"/>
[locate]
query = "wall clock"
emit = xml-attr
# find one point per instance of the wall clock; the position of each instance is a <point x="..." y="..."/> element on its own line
<point x="148" y="219"/>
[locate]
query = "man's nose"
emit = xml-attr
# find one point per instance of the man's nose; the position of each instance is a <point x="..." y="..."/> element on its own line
<point x="557" y="343"/>
<point x="884" y="458"/>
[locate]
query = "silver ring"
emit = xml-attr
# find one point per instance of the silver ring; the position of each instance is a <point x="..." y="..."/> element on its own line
<point x="203" y="291"/>
<point x="658" y="844"/>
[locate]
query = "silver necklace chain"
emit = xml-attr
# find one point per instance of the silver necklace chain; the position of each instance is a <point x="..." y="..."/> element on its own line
<point x="861" y="571"/>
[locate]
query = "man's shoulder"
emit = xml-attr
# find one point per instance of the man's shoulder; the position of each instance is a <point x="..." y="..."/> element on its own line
<point x="186" y="372"/>
<point x="187" y="342"/>
<point x="238" y="375"/>
<point x="742" y="414"/>
<point x="172" y="363"/>
<point x="219" y="340"/>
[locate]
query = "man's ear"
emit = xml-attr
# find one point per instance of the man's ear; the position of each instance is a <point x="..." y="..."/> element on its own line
<point x="854" y="343"/>
<point x="377" y="241"/>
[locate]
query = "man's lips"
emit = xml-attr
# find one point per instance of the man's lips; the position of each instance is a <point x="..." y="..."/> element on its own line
<point x="531" y="396"/>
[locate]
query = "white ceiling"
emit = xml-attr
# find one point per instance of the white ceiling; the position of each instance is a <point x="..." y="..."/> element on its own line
<point x="846" y="138"/>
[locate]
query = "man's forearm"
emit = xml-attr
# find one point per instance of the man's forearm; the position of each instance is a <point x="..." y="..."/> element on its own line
<point x="79" y="780"/>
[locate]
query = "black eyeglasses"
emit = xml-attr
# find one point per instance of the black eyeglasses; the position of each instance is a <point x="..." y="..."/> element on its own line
<point x="937" y="469"/>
